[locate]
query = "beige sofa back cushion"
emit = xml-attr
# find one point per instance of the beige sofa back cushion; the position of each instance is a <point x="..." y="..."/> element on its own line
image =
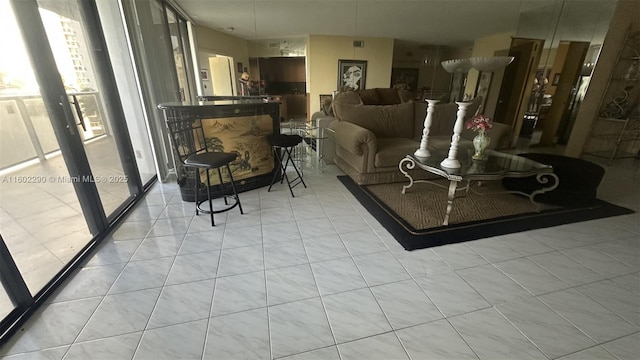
<point x="346" y="97"/>
<point x="369" y="97"/>
<point x="388" y="96"/>
<point x="390" y="121"/>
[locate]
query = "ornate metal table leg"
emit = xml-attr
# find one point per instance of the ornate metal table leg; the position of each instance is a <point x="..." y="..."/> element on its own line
<point x="410" y="164"/>
<point x="450" y="197"/>
<point x="544" y="179"/>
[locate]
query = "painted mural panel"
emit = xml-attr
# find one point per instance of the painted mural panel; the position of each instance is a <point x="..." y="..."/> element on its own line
<point x="247" y="137"/>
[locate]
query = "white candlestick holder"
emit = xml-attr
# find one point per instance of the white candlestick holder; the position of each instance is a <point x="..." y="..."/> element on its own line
<point x="451" y="161"/>
<point x="424" y="142"/>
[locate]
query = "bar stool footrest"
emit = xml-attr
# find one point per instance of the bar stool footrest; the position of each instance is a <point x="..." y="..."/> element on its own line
<point x="236" y="202"/>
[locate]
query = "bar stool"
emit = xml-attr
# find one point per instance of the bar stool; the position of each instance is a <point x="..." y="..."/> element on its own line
<point x="208" y="161"/>
<point x="282" y="145"/>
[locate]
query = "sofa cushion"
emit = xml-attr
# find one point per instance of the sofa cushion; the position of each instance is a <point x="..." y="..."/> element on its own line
<point x="444" y="117"/>
<point x="392" y="150"/>
<point x="419" y="114"/>
<point x="388" y="96"/>
<point x="390" y="121"/>
<point x="369" y="97"/>
<point x="346" y="97"/>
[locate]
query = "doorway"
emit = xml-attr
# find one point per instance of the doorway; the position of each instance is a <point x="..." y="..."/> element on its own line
<point x="222" y="75"/>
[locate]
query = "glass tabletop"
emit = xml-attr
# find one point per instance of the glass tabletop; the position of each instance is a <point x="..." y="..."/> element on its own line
<point x="495" y="165"/>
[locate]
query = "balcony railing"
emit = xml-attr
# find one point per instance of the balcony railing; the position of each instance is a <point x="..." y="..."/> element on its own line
<point x="26" y="132"/>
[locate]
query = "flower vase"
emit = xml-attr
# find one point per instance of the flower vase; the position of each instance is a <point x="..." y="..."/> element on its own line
<point x="480" y="143"/>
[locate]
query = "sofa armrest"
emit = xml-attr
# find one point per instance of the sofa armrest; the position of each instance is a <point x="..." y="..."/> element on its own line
<point x="353" y="137"/>
<point x="326" y="147"/>
<point x="323" y="121"/>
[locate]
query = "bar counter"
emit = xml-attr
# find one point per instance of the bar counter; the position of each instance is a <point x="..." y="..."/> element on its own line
<point x="235" y="125"/>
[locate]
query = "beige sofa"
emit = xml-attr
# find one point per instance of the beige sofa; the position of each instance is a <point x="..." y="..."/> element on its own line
<point x="370" y="139"/>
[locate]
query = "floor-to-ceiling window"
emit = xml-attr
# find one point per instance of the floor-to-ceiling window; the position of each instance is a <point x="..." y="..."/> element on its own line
<point x="160" y="43"/>
<point x="75" y="146"/>
<point x="178" y="32"/>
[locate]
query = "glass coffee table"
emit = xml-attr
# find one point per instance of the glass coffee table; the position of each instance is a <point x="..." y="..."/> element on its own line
<point x="495" y="166"/>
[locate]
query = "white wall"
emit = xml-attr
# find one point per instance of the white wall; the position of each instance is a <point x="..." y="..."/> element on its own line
<point x="431" y="75"/>
<point x="323" y="53"/>
<point x="211" y="42"/>
<point x="486" y="46"/>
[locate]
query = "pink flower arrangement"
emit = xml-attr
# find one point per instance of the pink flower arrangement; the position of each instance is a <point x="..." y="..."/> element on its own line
<point x="479" y="123"/>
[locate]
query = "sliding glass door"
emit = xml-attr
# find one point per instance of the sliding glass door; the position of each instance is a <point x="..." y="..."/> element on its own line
<point x="42" y="197"/>
<point x="178" y="33"/>
<point x="86" y="94"/>
<point x="68" y="168"/>
<point x="160" y="43"/>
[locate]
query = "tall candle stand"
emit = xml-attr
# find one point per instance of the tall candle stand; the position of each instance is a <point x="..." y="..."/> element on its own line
<point x="422" y="150"/>
<point x="451" y="161"/>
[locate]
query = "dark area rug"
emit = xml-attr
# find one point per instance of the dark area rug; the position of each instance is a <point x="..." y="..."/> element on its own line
<point x="415" y="218"/>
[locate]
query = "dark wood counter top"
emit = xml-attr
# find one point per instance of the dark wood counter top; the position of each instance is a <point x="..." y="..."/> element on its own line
<point x="223" y="102"/>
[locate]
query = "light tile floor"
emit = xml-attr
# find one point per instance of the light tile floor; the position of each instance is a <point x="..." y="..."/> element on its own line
<point x="43" y="238"/>
<point x="316" y="277"/>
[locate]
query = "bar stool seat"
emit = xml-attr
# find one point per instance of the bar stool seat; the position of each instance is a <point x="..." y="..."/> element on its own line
<point x="286" y="143"/>
<point x="208" y="161"/>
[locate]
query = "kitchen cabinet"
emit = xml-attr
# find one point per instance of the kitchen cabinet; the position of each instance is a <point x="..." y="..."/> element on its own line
<point x="282" y="69"/>
<point x="293" y="106"/>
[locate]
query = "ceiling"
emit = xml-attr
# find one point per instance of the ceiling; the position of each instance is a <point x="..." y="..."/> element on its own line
<point x="453" y="23"/>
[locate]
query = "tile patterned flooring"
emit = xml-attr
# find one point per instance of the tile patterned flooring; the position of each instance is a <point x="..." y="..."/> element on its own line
<point x="316" y="277"/>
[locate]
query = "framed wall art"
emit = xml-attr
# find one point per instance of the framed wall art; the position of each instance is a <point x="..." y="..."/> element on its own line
<point x="325" y="98"/>
<point x="352" y="74"/>
<point x="204" y="74"/>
